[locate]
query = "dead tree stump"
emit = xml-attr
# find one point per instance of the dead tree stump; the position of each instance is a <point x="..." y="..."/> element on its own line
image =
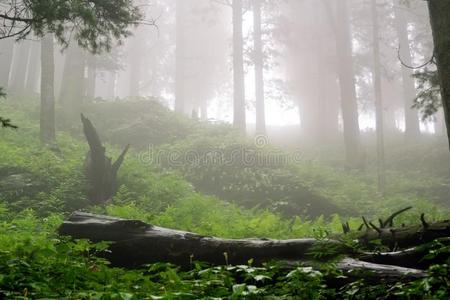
<point x="100" y="172"/>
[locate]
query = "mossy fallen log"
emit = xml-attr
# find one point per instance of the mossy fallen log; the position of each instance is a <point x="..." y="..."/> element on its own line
<point x="135" y="243"/>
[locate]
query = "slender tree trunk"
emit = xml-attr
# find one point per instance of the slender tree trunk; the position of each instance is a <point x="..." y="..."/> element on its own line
<point x="439" y="123"/>
<point x="239" y="119"/>
<point x="111" y="86"/>
<point x="33" y="68"/>
<point x="440" y="24"/>
<point x="319" y="107"/>
<point x="346" y="74"/>
<point x="135" y="69"/>
<point x="73" y="83"/>
<point x="136" y="53"/>
<point x="180" y="93"/>
<point x="204" y="110"/>
<point x="20" y="67"/>
<point x="376" y="78"/>
<point x="6" y="56"/>
<point x="47" y="118"/>
<point x="259" y="69"/>
<point x="91" y="79"/>
<point x="412" y="126"/>
<point x="330" y="106"/>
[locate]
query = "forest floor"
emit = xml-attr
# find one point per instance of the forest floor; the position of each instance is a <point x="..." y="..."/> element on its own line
<point x="40" y="187"/>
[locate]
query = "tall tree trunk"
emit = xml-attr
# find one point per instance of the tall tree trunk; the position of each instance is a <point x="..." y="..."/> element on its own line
<point x="135" y="69"/>
<point x="259" y="69"/>
<point x="239" y="119"/>
<point x="47" y="118"/>
<point x="412" y="126"/>
<point x="439" y="123"/>
<point x="6" y="56"/>
<point x="72" y="89"/>
<point x="376" y="78"/>
<point x="20" y="67"/>
<point x="33" y="67"/>
<point x="440" y="24"/>
<point x="111" y="86"/>
<point x="180" y="63"/>
<point x="136" y="53"/>
<point x="91" y="80"/>
<point x="204" y="110"/>
<point x="346" y="75"/>
<point x="330" y="106"/>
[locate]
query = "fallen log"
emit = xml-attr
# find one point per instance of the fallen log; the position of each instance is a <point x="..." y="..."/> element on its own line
<point x="396" y="238"/>
<point x="135" y="243"/>
<point x="411" y="257"/>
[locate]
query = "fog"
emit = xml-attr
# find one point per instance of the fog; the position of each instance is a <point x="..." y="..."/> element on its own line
<point x="224" y="149"/>
<point x="303" y="73"/>
<point x="187" y="53"/>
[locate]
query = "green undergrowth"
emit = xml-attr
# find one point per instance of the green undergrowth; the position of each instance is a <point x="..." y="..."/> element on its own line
<point x="35" y="263"/>
<point x="39" y="187"/>
<point x="53" y="181"/>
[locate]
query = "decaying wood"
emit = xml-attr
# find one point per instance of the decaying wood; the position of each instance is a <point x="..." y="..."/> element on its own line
<point x="135" y="243"/>
<point x="406" y="236"/>
<point x="398" y="237"/>
<point x="100" y="172"/>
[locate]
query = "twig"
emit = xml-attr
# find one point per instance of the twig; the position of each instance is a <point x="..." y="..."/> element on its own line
<point x="375" y="228"/>
<point x="365" y="222"/>
<point x="424" y="223"/>
<point x="390" y="221"/>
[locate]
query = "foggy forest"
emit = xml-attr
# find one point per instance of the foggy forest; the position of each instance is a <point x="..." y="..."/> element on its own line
<point x="224" y="149"/>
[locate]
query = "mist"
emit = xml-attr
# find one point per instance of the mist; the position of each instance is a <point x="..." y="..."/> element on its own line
<point x="226" y="149"/>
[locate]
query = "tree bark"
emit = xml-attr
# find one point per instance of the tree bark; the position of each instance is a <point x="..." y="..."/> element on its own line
<point x="440" y="24"/>
<point x="239" y="118"/>
<point x="376" y="79"/>
<point x="346" y="75"/>
<point x="47" y="117"/>
<point x="412" y="125"/>
<point x="259" y="69"/>
<point x="136" y="243"/>
<point x="6" y="56"/>
<point x="100" y="172"/>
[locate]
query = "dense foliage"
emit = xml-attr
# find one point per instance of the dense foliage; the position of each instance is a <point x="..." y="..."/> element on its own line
<point x="35" y="263"/>
<point x="428" y="100"/>
<point x="95" y="24"/>
<point x="39" y="186"/>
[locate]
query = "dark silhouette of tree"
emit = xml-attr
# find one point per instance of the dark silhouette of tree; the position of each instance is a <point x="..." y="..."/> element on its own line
<point x="440" y="24"/>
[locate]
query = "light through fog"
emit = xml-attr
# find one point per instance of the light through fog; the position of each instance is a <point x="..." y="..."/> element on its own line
<point x="278" y="113"/>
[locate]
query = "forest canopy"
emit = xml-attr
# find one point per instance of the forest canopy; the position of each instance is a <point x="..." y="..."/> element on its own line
<point x="94" y="24"/>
